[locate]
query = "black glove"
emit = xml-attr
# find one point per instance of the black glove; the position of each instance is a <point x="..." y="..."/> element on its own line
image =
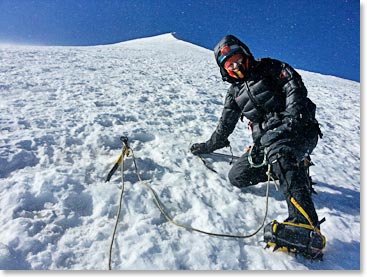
<point x="270" y="137"/>
<point x="274" y="120"/>
<point x="199" y="148"/>
<point x="288" y="128"/>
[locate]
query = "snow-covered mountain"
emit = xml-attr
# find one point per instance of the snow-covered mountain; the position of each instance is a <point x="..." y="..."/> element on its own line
<point x="63" y="110"/>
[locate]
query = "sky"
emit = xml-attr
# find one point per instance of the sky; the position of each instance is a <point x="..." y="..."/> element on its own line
<point x="319" y="36"/>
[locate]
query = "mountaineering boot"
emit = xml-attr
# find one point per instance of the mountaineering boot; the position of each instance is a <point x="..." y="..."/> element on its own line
<point x="297" y="238"/>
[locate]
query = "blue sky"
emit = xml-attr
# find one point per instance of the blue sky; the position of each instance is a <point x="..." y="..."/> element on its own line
<point x="316" y="35"/>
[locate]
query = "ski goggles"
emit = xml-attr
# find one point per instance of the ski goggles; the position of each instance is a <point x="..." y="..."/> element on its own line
<point x="227" y="51"/>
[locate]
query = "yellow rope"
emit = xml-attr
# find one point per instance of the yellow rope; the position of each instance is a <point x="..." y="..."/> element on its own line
<point x="120" y="160"/>
<point x="169" y="219"/>
<point x="127" y="151"/>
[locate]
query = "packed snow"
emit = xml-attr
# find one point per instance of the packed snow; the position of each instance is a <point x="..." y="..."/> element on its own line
<point x="63" y="110"/>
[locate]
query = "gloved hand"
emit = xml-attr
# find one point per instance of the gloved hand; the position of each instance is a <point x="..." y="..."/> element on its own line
<point x="288" y="128"/>
<point x="270" y="137"/>
<point x="274" y="120"/>
<point x="199" y="148"/>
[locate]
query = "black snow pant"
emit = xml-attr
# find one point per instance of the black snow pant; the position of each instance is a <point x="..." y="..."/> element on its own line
<point x="292" y="176"/>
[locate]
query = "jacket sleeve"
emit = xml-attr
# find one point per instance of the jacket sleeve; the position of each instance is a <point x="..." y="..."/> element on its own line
<point x="228" y="120"/>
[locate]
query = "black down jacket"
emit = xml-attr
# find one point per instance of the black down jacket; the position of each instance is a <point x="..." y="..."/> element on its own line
<point x="274" y="98"/>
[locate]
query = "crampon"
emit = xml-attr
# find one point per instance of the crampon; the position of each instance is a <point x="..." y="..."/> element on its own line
<point x="295" y="238"/>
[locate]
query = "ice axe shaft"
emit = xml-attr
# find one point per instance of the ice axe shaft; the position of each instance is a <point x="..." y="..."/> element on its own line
<point x="125" y="152"/>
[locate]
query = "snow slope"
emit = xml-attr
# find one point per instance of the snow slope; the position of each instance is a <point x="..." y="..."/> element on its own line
<point x="63" y="110"/>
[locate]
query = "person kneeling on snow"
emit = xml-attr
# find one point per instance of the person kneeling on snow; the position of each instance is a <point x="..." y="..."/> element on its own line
<point x="272" y="96"/>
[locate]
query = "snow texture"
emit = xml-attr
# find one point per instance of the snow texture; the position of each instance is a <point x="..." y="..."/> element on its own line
<point x="63" y="110"/>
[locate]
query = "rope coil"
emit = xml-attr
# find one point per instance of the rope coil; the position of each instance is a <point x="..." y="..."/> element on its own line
<point x="125" y="152"/>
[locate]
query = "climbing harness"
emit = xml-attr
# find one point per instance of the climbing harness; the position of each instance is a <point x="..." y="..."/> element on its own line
<point x="127" y="151"/>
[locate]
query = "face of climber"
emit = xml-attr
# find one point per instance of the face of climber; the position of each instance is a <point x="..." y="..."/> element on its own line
<point x="235" y="66"/>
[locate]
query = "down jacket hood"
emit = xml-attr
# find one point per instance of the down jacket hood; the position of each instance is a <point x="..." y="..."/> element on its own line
<point x="235" y="46"/>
